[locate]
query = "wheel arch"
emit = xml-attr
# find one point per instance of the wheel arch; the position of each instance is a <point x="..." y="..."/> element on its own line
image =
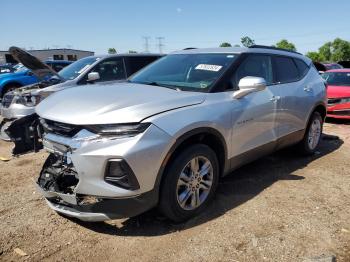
<point x="318" y="107"/>
<point x="204" y="135"/>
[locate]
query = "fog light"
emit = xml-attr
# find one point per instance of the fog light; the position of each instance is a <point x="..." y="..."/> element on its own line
<point x="119" y="173"/>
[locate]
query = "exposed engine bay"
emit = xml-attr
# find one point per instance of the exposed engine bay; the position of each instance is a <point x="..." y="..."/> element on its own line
<point x="58" y="175"/>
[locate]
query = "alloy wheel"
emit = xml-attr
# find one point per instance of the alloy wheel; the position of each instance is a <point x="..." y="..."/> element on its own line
<point x="194" y="183"/>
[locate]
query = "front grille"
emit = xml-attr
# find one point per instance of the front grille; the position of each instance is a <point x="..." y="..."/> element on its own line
<point x="340" y="112"/>
<point x="7" y="100"/>
<point x="58" y="128"/>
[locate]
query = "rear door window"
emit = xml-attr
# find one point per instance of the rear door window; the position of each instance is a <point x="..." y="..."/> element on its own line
<point x="286" y="70"/>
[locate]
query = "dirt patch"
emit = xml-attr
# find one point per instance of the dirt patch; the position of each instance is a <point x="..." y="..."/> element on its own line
<point x="283" y="207"/>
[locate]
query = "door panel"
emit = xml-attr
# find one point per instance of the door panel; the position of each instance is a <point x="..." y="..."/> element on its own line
<point x="254" y="115"/>
<point x="254" y="121"/>
<point x="296" y="94"/>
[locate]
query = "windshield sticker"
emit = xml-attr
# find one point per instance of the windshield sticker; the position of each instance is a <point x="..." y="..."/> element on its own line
<point x="83" y="69"/>
<point x="230" y="56"/>
<point x="214" y="68"/>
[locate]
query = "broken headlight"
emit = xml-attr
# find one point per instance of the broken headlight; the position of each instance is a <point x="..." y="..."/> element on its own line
<point x="131" y="129"/>
<point x="29" y="100"/>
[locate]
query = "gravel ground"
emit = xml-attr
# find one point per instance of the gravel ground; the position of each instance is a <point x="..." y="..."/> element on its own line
<point x="281" y="208"/>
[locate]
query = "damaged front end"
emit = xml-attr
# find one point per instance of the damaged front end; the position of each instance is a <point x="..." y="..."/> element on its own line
<point x="81" y="178"/>
<point x="58" y="175"/>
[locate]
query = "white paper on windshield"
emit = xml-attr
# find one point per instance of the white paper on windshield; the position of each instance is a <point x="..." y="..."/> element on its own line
<point x="214" y="68"/>
<point x="83" y="69"/>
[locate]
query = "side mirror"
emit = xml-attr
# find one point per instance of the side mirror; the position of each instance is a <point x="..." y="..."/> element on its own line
<point x="93" y="76"/>
<point x="249" y="84"/>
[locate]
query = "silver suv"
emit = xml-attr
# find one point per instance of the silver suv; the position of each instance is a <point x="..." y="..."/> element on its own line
<point x="89" y="70"/>
<point x="167" y="136"/>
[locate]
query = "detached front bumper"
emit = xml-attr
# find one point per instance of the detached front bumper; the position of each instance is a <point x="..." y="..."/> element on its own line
<point x="94" y="197"/>
<point x="102" y="209"/>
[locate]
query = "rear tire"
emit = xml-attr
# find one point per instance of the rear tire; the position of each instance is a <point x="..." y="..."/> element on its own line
<point x="189" y="183"/>
<point x="312" y="136"/>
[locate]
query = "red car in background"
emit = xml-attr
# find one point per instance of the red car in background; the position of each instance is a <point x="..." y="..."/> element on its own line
<point x="338" y="81"/>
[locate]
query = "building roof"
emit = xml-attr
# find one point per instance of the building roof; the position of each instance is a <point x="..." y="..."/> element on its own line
<point x="53" y="49"/>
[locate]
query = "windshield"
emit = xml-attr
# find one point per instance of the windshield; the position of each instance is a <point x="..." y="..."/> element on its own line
<point x="337" y="78"/>
<point x="333" y="66"/>
<point x="191" y="72"/>
<point x="74" y="70"/>
<point x="20" y="68"/>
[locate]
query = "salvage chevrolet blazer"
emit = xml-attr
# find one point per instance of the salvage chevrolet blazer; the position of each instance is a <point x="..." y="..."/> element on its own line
<point x="168" y="135"/>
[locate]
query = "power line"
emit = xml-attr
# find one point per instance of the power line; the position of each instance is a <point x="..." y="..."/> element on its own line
<point x="160" y="44"/>
<point x="146" y="44"/>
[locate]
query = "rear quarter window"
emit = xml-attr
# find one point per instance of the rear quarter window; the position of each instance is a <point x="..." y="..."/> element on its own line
<point x="303" y="68"/>
<point x="286" y="70"/>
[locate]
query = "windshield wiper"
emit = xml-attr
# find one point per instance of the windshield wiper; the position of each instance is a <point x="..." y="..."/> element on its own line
<point x="154" y="83"/>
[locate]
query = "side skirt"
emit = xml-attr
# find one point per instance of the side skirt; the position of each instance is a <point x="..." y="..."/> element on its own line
<point x="266" y="149"/>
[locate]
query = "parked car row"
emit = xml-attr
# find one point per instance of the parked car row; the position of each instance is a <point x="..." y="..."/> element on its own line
<point x="165" y="136"/>
<point x="22" y="101"/>
<point x="338" y="92"/>
<point x="21" y="75"/>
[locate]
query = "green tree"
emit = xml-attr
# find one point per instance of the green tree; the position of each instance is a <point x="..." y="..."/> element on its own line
<point x="340" y="50"/>
<point x="335" y="51"/>
<point x="112" y="50"/>
<point x="247" y="41"/>
<point x="225" y="44"/>
<point x="314" y="56"/>
<point x="132" y="52"/>
<point x="325" y="52"/>
<point x="284" y="44"/>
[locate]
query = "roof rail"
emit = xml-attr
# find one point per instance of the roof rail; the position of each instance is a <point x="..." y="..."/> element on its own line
<point x="274" y="48"/>
<point x="189" y="48"/>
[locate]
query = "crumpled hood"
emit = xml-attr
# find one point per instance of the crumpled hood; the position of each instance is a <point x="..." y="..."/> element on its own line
<point x="113" y="103"/>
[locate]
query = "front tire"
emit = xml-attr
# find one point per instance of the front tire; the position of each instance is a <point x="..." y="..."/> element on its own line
<point x="312" y="136"/>
<point x="189" y="183"/>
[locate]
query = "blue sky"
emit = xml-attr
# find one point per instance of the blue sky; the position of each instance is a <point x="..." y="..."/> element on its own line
<point x="98" y="25"/>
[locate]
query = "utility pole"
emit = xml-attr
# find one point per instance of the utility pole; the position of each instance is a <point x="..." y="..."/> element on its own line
<point x="146" y="44"/>
<point x="160" y="44"/>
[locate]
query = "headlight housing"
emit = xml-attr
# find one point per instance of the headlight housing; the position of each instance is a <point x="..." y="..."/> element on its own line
<point x="130" y="129"/>
<point x="28" y="100"/>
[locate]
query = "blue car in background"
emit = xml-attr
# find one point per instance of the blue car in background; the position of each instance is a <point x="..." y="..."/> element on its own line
<point x="26" y="75"/>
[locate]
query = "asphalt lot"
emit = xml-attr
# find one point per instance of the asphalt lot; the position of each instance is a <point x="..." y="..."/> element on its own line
<point x="283" y="207"/>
